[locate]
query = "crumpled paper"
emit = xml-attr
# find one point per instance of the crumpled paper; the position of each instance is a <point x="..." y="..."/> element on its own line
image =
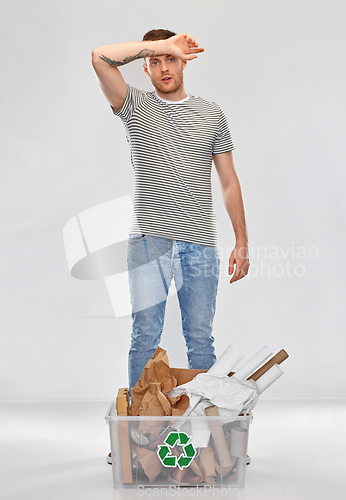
<point x="149" y="397"/>
<point x="225" y="392"/>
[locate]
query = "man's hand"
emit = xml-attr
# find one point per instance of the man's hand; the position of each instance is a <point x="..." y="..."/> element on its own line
<point x="240" y="260"/>
<point x="183" y="46"/>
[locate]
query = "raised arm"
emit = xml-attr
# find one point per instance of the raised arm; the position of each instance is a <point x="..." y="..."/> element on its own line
<point x="106" y="59"/>
<point x="230" y="187"/>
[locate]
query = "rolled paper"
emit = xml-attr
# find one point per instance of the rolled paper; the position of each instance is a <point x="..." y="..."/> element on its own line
<point x="238" y="449"/>
<point x="226" y="362"/>
<point x="239" y="440"/>
<point x="275" y="360"/>
<point x="268" y="378"/>
<point x="220" y="444"/>
<point x="200" y="432"/>
<point x="253" y="363"/>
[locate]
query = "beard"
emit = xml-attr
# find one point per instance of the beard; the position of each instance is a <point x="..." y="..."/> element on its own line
<point x="173" y="85"/>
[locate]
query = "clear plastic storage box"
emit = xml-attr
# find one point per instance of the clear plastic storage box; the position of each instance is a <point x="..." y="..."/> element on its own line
<point x="184" y="451"/>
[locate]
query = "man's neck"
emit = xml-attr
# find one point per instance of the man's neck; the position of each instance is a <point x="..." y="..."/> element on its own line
<point x="178" y="95"/>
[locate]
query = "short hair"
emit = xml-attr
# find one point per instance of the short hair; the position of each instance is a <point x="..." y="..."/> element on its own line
<point x="154" y="35"/>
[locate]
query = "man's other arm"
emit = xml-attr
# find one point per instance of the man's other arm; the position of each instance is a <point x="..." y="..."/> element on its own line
<point x="233" y="200"/>
<point x="108" y="58"/>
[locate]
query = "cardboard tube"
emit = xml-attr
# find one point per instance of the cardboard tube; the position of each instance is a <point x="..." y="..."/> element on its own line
<point x="226" y="362"/>
<point x="221" y="447"/>
<point x="253" y="363"/>
<point x="239" y="440"/>
<point x="275" y="360"/>
<point x="268" y="378"/>
<point x="238" y="449"/>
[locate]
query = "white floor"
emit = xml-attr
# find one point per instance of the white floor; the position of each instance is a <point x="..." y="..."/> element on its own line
<point x="57" y="451"/>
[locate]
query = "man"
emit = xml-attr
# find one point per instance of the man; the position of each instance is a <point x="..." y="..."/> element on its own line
<point x="173" y="139"/>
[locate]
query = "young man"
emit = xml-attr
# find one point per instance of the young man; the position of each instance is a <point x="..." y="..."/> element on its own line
<point x="173" y="138"/>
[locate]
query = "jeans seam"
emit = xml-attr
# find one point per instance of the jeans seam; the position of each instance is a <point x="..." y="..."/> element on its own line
<point x="162" y="275"/>
<point x="146" y="249"/>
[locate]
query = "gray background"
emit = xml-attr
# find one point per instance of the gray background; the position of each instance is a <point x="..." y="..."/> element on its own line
<point x="277" y="69"/>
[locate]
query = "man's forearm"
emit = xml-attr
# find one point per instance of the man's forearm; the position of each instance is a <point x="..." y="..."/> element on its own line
<point x="234" y="205"/>
<point x="118" y="54"/>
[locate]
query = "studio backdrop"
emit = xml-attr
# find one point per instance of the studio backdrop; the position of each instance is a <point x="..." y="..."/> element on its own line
<point x="276" y="69"/>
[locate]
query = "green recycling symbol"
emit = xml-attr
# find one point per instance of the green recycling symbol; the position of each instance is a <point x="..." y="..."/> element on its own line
<point x="164" y="450"/>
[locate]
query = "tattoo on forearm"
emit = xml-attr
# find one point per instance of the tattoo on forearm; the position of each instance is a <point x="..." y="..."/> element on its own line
<point x="142" y="53"/>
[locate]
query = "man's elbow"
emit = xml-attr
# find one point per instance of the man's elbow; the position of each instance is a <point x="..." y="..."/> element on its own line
<point x="231" y="185"/>
<point x="95" y="57"/>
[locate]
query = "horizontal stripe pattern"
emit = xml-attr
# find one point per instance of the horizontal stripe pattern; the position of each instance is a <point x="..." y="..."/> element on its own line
<point x="171" y="147"/>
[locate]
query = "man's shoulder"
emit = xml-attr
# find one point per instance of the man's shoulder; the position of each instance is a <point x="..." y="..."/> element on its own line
<point x="136" y="91"/>
<point x="201" y="101"/>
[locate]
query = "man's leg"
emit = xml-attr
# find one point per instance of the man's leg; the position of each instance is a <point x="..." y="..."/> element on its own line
<point x="149" y="279"/>
<point x="197" y="284"/>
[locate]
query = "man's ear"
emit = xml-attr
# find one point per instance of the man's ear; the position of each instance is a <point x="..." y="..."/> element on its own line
<point x="145" y="67"/>
<point x="184" y="64"/>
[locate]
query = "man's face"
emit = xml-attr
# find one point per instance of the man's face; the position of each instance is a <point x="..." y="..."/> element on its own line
<point x="165" y="72"/>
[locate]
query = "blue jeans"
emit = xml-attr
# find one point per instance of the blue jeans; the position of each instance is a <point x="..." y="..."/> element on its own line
<point x="152" y="262"/>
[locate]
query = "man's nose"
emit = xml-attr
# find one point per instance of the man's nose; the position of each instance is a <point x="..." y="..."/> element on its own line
<point x="164" y="67"/>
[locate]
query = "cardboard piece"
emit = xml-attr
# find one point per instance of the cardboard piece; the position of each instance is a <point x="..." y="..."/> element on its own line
<point x="275" y="360"/>
<point x="219" y="442"/>
<point x="184" y="375"/>
<point x="177" y="475"/>
<point x="202" y="468"/>
<point x="122" y="402"/>
<point x="206" y="464"/>
<point x="185" y="477"/>
<point x="122" y="405"/>
<point x="149" y="461"/>
<point x="196" y="469"/>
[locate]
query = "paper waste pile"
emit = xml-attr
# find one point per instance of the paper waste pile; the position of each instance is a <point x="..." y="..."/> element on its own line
<point x="206" y="448"/>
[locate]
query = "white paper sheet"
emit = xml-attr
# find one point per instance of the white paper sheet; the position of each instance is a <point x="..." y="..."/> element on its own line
<point x="223" y="392"/>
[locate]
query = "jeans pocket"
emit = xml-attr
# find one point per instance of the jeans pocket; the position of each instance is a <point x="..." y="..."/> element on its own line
<point x="136" y="236"/>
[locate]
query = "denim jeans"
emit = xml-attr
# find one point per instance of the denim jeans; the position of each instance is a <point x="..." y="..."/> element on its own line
<point x="152" y="262"/>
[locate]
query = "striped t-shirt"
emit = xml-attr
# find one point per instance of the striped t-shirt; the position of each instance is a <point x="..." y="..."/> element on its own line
<point x="172" y="145"/>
